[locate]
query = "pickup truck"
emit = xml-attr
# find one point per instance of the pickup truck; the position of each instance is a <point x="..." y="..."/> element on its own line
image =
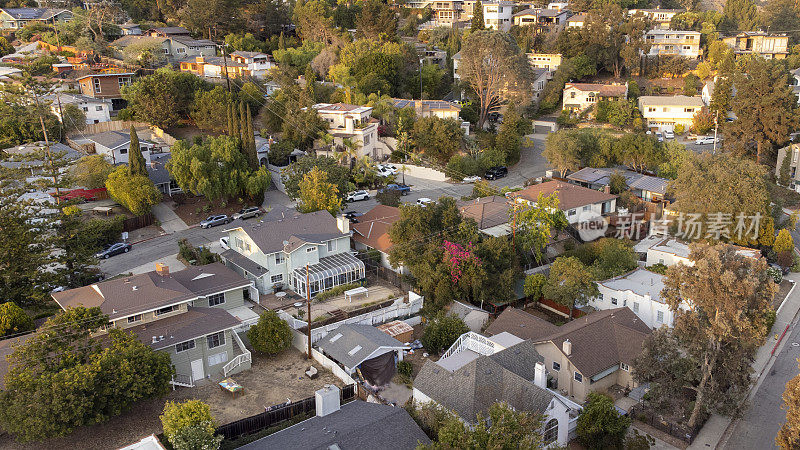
<point x="402" y="188"/>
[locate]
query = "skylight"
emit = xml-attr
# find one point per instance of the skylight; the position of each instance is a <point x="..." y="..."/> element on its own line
<point x="336" y="338"/>
<point x="354" y="350"/>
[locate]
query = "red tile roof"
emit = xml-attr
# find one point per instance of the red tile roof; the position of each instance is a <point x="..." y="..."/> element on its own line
<point x="569" y="195"/>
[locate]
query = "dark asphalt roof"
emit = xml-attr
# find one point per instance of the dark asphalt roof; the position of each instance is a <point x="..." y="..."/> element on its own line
<point x="357" y="425"/>
<point x="157" y="169"/>
<point x="281" y="225"/>
<point x="243" y="262"/>
<point x="194" y="323"/>
<point x="520" y="324"/>
<point x="351" y="344"/>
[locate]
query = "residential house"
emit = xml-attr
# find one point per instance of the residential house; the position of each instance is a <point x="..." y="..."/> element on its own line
<point x="588" y="354"/>
<point x="114" y="145"/>
<point x="215" y="67"/>
<point x="540" y="78"/>
<point x="640" y="291"/>
<point x="768" y="45"/>
<point x="674" y="43"/>
<point x="258" y="64"/>
<point x="646" y="187"/>
<point x="351" y="122"/>
<point x="7" y="74"/>
<point x="497" y="15"/>
<point x="96" y="109"/>
<point x="372" y="233"/>
<point x="578" y="97"/>
<point x="430" y="108"/>
<point x="445" y="12"/>
<point x="24" y="157"/>
<point x="660" y="17"/>
<point x="670" y="251"/>
<point x="577" y="21"/>
<point x="795" y="82"/>
<point x="477" y="372"/>
<point x="707" y="93"/>
<point x="191" y="314"/>
<point x="490" y="213"/>
<point x="792" y="151"/>
<point x="130" y="29"/>
<point x="176" y="48"/>
<point x="433" y="55"/>
<point x="16" y="18"/>
<point x="662" y="113"/>
<point x="106" y="85"/>
<point x="168" y="32"/>
<point x="456" y="61"/>
<point x="573" y="200"/>
<point x="285" y="248"/>
<point x="366" y="349"/>
<point x="549" y="61"/>
<point x="160" y="176"/>
<point x="353" y="425"/>
<point x="543" y="17"/>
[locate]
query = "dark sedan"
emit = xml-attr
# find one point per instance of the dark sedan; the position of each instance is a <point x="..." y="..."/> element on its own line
<point x="114" y="249"/>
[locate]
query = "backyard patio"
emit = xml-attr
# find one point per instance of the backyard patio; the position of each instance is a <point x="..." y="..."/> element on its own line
<point x="323" y="309"/>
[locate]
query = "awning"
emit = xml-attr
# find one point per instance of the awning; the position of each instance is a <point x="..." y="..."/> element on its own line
<point x="330" y="266"/>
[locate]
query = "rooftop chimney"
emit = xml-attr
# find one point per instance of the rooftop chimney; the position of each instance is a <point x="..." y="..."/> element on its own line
<point x="327" y="400"/>
<point x="540" y="375"/>
<point x="567" y="347"/>
<point x="162" y="269"/>
<point x="343" y="223"/>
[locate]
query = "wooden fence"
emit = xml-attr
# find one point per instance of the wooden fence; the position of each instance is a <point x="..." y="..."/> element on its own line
<point x="134" y="223"/>
<point x="682" y="432"/>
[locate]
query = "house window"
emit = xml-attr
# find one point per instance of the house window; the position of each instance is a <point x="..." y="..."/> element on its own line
<point x="96" y="85"/>
<point x="219" y="358"/>
<point x="635" y="307"/>
<point x="247" y="246"/>
<point x="550" y="431"/>
<point x="366" y="139"/>
<point x="571" y="95"/>
<point x="216" y="299"/>
<point x="183" y="346"/>
<point x="123" y="150"/>
<point x="310" y="249"/>
<point x="660" y="317"/>
<point x="613" y="301"/>
<point x="279" y="258"/>
<point x="331" y="246"/>
<point x="660" y="261"/>
<point x="134" y="319"/>
<point x="688" y="110"/>
<point x="578" y="377"/>
<point x="181" y="50"/>
<point x="556" y="366"/>
<point x="123" y="81"/>
<point x="624" y="367"/>
<point x="166" y="310"/>
<point x="85" y="109"/>
<point x="166" y="51"/>
<point x="277" y="278"/>
<point x="98" y="108"/>
<point x="572" y="212"/>
<point x="216" y="339"/>
<point x="651" y="109"/>
<point x="239" y="243"/>
<point x="587" y="207"/>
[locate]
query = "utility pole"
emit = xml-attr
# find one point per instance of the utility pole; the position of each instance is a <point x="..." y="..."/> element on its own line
<point x="716" y="128"/>
<point x="55" y="29"/>
<point x="227" y="80"/>
<point x="308" y="302"/>
<point x="420" y="79"/>
<point x="47" y="145"/>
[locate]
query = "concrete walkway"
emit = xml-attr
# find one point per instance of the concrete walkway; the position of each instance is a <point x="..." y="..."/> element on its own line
<point x="170" y="222"/>
<point x="171" y="261"/>
<point x="718" y="429"/>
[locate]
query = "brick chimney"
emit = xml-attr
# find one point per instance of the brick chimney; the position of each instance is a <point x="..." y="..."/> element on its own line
<point x="162" y="269"/>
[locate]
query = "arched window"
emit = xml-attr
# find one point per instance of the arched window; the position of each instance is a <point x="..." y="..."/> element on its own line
<point x="550" y="431"/>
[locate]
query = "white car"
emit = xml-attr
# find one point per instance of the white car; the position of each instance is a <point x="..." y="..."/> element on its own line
<point x="471" y="179"/>
<point x="384" y="172"/>
<point x="357" y="196"/>
<point x="424" y="201"/>
<point x="387" y="168"/>
<point x="669" y="134"/>
<point x="223" y="242"/>
<point x="705" y="140"/>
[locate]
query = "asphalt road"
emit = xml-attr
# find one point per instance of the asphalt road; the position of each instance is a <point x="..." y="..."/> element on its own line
<point x="762" y="420"/>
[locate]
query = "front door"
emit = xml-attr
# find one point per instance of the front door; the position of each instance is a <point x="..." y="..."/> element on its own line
<point x="197" y="370"/>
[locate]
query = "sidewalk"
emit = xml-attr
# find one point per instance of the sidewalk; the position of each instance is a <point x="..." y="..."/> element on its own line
<point x="717" y="430"/>
<point x="170" y="222"/>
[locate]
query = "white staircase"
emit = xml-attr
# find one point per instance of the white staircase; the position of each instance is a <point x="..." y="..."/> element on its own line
<point x="472" y="341"/>
<point x="244" y="357"/>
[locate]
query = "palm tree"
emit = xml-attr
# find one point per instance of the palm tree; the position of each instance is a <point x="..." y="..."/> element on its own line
<point x="349" y="151"/>
<point x="327" y="140"/>
<point x="403" y="170"/>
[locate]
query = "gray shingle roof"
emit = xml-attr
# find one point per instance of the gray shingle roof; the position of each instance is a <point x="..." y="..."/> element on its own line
<point x="505" y="376"/>
<point x="194" y="323"/>
<point x="157" y="169"/>
<point x="114" y="139"/>
<point x="520" y="324"/>
<point x="357" y="425"/>
<point x="635" y="180"/>
<point x="340" y="343"/>
<point x="281" y="224"/>
<point x="33" y="13"/>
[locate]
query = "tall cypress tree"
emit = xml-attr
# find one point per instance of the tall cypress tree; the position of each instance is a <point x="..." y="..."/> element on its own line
<point x="477" y="17"/>
<point x="235" y="119"/>
<point x="243" y="127"/>
<point x="311" y="85"/>
<point x="136" y="163"/>
<point x="252" y="156"/>
<point x="230" y="118"/>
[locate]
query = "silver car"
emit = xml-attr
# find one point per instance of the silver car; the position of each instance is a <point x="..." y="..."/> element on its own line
<point x="213" y="221"/>
<point x="247" y="213"/>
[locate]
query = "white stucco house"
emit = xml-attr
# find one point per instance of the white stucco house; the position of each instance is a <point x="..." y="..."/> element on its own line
<point x="640" y="291"/>
<point x="662" y="113"/>
<point x="674" y="43"/>
<point x="497" y="15"/>
<point x="97" y="110"/>
<point x="351" y="122"/>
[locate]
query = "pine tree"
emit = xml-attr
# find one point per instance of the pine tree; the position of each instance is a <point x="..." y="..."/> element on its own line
<point x="136" y="162"/>
<point x="477" y="17"/>
<point x="281" y="42"/>
<point x="310" y="84"/>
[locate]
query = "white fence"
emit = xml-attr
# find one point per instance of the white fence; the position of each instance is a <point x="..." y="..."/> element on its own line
<point x="426" y="173"/>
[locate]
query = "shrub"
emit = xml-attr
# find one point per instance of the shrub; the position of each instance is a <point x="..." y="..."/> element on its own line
<point x="405" y="368"/>
<point x="189" y="425"/>
<point x="13" y="319"/>
<point x="271" y="335"/>
<point x="389" y="197"/>
<point x="442" y="331"/>
<point x="658" y="268"/>
<point x="338" y="290"/>
<point x="600" y="425"/>
<point x="770" y="319"/>
<point x="775" y="273"/>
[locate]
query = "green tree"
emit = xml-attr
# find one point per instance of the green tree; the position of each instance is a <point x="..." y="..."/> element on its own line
<point x="783" y="173"/>
<point x="495" y="68"/>
<point x="190" y="426"/>
<point x="675" y="154"/>
<point x="77" y="378"/>
<point x="437" y="138"/>
<point x="208" y="110"/>
<point x="441" y="332"/>
<point x="533" y="285"/>
<point x="600" y="426"/>
<point x="789" y="435"/>
<point x="13" y="319"/>
<point x="136" y="162"/>
<point x="77" y="241"/>
<point x="293" y="175"/>
<point x="314" y="22"/>
<point x="19" y="117"/>
<point x="477" y="17"/>
<point x="703" y="121"/>
<point x="270" y="335"/>
<point x="537" y="223"/>
<point x="761" y="125"/>
<point x="691" y="85"/>
<point x="784" y="242"/>
<point x="5" y="47"/>
<point x="503" y="428"/>
<point x="740" y="15"/>
<point x="614" y="257"/>
<point x="570" y="283"/>
<point x="135" y="192"/>
<point x="73" y="118"/>
<point x="316" y="193"/>
<point x="91" y="171"/>
<point x="163" y="98"/>
<point x="563" y="151"/>
<point x="376" y="20"/>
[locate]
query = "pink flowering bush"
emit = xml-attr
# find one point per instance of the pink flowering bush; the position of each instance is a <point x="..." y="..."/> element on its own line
<point x="458" y="257"/>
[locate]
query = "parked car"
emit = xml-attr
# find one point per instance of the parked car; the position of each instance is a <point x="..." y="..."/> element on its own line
<point x="357" y="196"/>
<point x="704" y="140"/>
<point x="496" y="172"/>
<point x="425" y="201"/>
<point x="213" y="221"/>
<point x="383" y="172"/>
<point x="471" y="179"/>
<point x="402" y="188"/>
<point x="223" y="242"/>
<point x="669" y="134"/>
<point x="392" y="169"/>
<point x="114" y="249"/>
<point x="247" y="213"/>
<point x="353" y="216"/>
<point x="659" y="136"/>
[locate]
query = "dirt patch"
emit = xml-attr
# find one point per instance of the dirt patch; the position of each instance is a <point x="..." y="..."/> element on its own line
<point x="549" y="316"/>
<point x="193" y="210"/>
<point x="783" y="290"/>
<point x="270" y="381"/>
